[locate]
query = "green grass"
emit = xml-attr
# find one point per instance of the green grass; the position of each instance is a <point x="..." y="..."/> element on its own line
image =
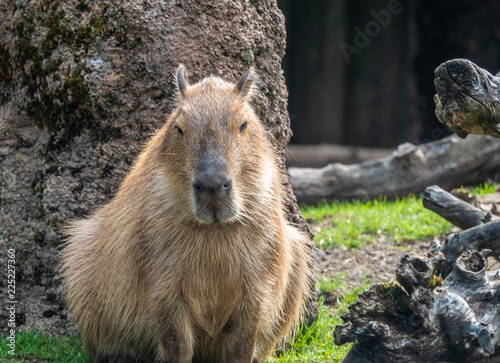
<point x="355" y="223"/>
<point x="351" y="224"/>
<point x="33" y="343"/>
<point x="316" y="343"/>
<point x="482" y="189"/>
<point x="331" y="284"/>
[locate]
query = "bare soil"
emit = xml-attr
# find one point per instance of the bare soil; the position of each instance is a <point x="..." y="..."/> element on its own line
<point x="374" y="262"/>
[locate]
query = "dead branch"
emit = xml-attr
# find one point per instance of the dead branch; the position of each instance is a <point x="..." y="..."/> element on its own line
<point x="454" y="210"/>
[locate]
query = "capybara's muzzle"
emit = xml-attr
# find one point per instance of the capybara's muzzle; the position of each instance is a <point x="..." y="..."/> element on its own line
<point x="212" y="188"/>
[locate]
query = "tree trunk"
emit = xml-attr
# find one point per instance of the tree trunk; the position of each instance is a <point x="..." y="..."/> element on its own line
<point x="83" y="84"/>
<point x="449" y="162"/>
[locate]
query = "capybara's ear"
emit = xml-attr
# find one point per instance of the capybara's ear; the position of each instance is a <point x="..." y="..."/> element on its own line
<point x="246" y="85"/>
<point x="181" y="81"/>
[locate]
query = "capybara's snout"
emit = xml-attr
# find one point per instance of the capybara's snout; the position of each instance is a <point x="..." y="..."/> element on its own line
<point x="212" y="188"/>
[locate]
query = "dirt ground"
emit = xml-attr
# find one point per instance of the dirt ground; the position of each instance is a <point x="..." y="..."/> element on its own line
<point x="374" y="262"/>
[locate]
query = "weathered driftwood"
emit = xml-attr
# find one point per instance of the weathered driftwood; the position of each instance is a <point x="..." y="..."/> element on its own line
<point x="467" y="98"/>
<point x="418" y="320"/>
<point x="482" y="237"/>
<point x="453" y="209"/>
<point x="445" y="306"/>
<point x="481" y="228"/>
<point x="449" y="162"/>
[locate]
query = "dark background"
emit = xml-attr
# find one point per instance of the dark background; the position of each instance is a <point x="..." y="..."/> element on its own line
<point x="384" y="95"/>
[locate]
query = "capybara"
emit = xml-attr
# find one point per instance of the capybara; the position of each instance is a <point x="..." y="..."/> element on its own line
<point x="193" y="260"/>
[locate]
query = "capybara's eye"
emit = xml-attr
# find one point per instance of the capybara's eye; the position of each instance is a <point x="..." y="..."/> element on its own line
<point x="179" y="130"/>
<point x="244" y="126"/>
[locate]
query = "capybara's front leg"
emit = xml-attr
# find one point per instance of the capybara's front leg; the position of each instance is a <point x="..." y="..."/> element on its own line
<point x="176" y="338"/>
<point x="241" y="339"/>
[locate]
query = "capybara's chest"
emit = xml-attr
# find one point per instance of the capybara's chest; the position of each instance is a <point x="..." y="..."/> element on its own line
<point x="213" y="298"/>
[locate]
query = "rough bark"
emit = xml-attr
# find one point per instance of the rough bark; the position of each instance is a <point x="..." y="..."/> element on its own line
<point x="449" y="163"/>
<point x="83" y="84"/>
<point x="444" y="306"/>
<point x="467" y="98"/>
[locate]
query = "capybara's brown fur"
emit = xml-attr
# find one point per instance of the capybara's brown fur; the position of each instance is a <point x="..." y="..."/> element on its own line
<point x="193" y="260"/>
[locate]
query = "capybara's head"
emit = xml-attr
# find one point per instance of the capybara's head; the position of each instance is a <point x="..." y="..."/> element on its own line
<point x="215" y="148"/>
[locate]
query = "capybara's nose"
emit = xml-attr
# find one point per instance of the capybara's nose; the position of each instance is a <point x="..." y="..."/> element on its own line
<point x="216" y="185"/>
